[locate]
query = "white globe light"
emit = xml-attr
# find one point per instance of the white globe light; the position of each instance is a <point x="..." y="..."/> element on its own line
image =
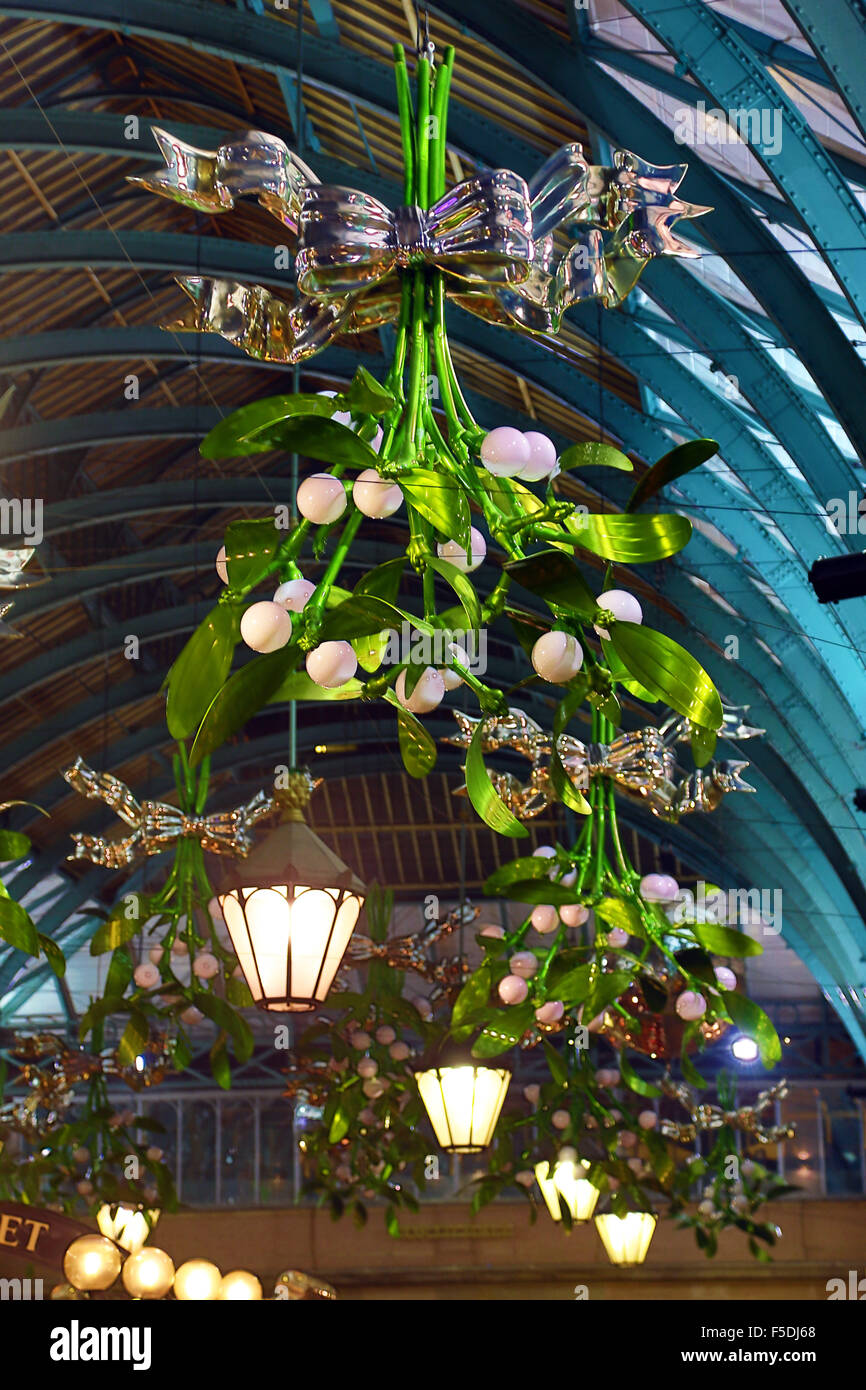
<point x="331" y="664"/>
<point x="221" y="566"/>
<point x="295" y="594"/>
<point x="544" y="852"/>
<point x="545" y="919"/>
<point x="197" y="1280"/>
<point x="560" y="1119"/>
<point x="745" y="1049"/>
<point x="374" y="495"/>
<point x="146" y="976"/>
<point x="542" y="457"/>
<point x="647" y="1119"/>
<point x="725" y="977"/>
<point x="557" y="657"/>
<point x="428" y="693"/>
<point x="513" y="989"/>
<point x="524" y="964"/>
<point x="691" y="1005"/>
<point x="399" y="1051"/>
<point x="266" y="626"/>
<point x="574" y="914"/>
<point x="148" y="1273"/>
<point x="617" y="937"/>
<point x="240" y="1286"/>
<point x="191" y="1016"/>
<point x="321" y="499"/>
<point x="551" y="1012"/>
<point x="659" y="888"/>
<point x="205" y="966"/>
<point x="505" y="451"/>
<point x="92" y="1262"/>
<point x="455" y="554"/>
<point x="497" y="933"/>
<point x="619" y="604"/>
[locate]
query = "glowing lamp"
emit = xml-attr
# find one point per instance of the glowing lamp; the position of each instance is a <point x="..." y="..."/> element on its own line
<point x="563" y="1183"/>
<point x="127" y="1226"/>
<point x="626" y="1238"/>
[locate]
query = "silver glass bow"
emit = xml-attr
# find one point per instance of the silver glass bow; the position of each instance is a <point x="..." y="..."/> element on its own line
<point x="705" y="1117"/>
<point x="514" y="253"/>
<point x="156" y="824"/>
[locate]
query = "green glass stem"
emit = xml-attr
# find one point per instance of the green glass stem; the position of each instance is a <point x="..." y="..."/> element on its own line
<point x="315" y="608"/>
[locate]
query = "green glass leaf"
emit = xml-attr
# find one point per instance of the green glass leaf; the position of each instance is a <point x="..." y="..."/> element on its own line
<point x="299" y="686"/>
<point x="135" y="1036"/>
<point x="690" y="1071"/>
<point x="556" y="1063"/>
<point x="609" y="985"/>
<point x="620" y="673"/>
<point x="473" y="996"/>
<point x="633" y="1081"/>
<point x="13" y="845"/>
<point x="672" y="465"/>
<point x="630" y="540"/>
<point x="120" y="970"/>
<point x="672" y="673"/>
<point x="503" y="1030"/>
<point x="417" y="745"/>
<point x="565" y="788"/>
<point x="371" y="650"/>
<point x="512" y="498"/>
<point x="655" y="996"/>
<point x="366" y="395"/>
<point x="750" y="1018"/>
<point x="53" y="954"/>
<point x="340" y="1125"/>
<point x="616" y="912"/>
<point x="594" y="455"/>
<point x="219" y="1063"/>
<point x="574" y="986"/>
<point x="238" y="993"/>
<point x="224" y="1016"/>
<point x="315" y="438"/>
<point x="361" y="615"/>
<point x="556" y="578"/>
<point x="383" y="581"/>
<point x="16" y="927"/>
<point x="567" y="707"/>
<point x="440" y="499"/>
<point x="463" y="588"/>
<point x="724" y="941"/>
<point x="703" y="743"/>
<point x="541" y="891"/>
<point x="483" y="795"/>
<point x="242" y="695"/>
<point x="250" y="550"/>
<point x="528" y="867"/>
<point x="200" y="670"/>
<point x="230" y="437"/>
<point x="116" y="931"/>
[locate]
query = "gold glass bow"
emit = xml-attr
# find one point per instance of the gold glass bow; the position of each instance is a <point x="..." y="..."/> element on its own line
<point x="156" y="824"/>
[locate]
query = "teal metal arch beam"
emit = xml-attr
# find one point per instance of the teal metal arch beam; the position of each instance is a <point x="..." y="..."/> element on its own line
<point x="36" y="352"/>
<point x="838" y="35"/>
<point x="266" y="43"/>
<point x="150" y="250"/>
<point x="717" y="331"/>
<point x="735" y="79"/>
<point x="103" y="132"/>
<point x="732" y="229"/>
<point x="703" y="409"/>
<point x="631" y="64"/>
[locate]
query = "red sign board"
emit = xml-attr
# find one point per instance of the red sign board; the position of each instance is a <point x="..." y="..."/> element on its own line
<point x="35" y="1234"/>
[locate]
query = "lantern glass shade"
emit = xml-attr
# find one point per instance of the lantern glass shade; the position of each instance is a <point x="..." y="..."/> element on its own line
<point x="463" y="1103"/>
<point x="563" y="1182"/>
<point x="626" y="1238"/>
<point x="290" y="908"/>
<point x="127" y="1226"/>
<point x="92" y="1262"/>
